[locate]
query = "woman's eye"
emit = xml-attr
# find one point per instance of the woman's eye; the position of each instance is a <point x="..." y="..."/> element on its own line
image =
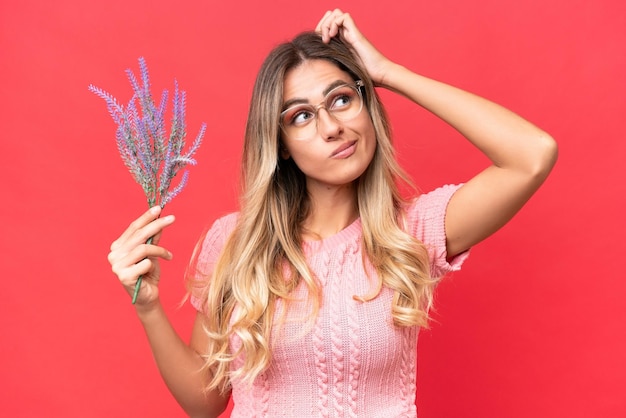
<point x="340" y="101"/>
<point x="301" y="117"/>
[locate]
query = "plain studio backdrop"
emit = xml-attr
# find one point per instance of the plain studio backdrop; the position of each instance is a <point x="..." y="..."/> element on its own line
<point x="534" y="325"/>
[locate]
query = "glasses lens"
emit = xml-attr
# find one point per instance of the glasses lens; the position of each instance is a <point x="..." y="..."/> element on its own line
<point x="300" y="121"/>
<point x="344" y="102"/>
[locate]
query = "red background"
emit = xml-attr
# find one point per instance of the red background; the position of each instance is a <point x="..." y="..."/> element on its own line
<point x="534" y="325"/>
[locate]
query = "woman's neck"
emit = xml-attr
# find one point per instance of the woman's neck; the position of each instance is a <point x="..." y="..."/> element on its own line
<point x="332" y="210"/>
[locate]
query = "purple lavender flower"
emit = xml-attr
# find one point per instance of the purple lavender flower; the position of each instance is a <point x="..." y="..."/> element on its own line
<point x="153" y="158"/>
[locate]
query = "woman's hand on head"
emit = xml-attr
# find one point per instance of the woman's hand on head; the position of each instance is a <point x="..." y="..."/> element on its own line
<point x="337" y="23"/>
<point x="131" y="257"/>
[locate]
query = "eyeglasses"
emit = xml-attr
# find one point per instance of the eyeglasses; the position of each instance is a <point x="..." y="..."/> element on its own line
<point x="343" y="103"/>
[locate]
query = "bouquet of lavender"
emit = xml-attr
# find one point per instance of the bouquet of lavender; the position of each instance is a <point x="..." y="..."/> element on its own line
<point x="153" y="157"/>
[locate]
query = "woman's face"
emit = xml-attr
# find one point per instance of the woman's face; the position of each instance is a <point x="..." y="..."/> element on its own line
<point x="337" y="152"/>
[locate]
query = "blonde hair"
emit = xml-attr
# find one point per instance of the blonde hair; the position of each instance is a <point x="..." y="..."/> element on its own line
<point x="249" y="276"/>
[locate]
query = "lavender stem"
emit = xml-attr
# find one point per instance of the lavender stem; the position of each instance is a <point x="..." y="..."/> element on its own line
<point x="140" y="278"/>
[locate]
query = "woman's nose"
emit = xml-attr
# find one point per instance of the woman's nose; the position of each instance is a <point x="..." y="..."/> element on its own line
<point x="327" y="125"/>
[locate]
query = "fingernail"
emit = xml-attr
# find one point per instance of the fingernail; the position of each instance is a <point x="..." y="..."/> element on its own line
<point x="155" y="209"/>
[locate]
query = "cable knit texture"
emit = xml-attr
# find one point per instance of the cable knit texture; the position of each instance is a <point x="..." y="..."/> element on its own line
<point x="353" y="362"/>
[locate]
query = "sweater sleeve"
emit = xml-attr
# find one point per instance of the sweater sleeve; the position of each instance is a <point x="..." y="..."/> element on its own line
<point x="426" y="222"/>
<point x="204" y="258"/>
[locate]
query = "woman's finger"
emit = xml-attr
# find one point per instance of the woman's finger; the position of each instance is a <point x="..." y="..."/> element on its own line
<point x="150" y="230"/>
<point x="128" y="275"/>
<point x="318" y="28"/>
<point x="131" y="253"/>
<point x="338" y="23"/>
<point x="329" y="24"/>
<point x="141" y="235"/>
<point x="147" y="217"/>
<point x="139" y="261"/>
<point x="139" y="253"/>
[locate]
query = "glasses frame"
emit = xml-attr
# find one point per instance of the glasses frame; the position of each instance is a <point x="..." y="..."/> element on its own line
<point x="358" y="85"/>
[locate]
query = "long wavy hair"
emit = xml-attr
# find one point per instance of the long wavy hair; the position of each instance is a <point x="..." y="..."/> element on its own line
<point x="249" y="276"/>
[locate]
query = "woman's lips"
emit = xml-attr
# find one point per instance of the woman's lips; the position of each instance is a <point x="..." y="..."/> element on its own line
<point x="345" y="150"/>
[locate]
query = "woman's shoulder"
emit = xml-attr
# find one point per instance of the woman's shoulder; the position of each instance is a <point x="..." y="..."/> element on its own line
<point x="425" y="215"/>
<point x="215" y="234"/>
<point x="226" y="222"/>
<point x="431" y="205"/>
<point x="425" y="220"/>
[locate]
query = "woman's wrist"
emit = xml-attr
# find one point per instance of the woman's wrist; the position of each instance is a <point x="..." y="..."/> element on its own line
<point x="146" y="312"/>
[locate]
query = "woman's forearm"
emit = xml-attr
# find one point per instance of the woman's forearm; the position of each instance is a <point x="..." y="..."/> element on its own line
<point x="507" y="139"/>
<point x="179" y="365"/>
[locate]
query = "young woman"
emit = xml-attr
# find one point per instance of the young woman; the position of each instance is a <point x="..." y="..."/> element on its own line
<point x="310" y="298"/>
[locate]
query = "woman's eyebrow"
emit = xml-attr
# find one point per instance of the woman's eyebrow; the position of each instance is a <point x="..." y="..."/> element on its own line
<point x="300" y="100"/>
<point x="333" y="85"/>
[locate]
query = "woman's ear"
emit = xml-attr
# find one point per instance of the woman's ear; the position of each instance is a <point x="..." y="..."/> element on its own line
<point x="284" y="153"/>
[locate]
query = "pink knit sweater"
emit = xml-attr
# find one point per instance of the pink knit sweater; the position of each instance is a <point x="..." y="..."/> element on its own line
<point x="353" y="361"/>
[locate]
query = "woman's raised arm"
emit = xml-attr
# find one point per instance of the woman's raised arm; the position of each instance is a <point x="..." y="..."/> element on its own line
<point x="521" y="154"/>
